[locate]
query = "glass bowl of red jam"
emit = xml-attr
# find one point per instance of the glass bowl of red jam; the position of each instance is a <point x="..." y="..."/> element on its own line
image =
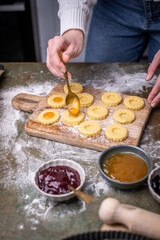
<point x="53" y="179"/>
<point x="154" y="183"/>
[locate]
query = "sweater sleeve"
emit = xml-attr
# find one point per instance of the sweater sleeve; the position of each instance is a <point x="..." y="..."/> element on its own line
<point x="74" y="14"/>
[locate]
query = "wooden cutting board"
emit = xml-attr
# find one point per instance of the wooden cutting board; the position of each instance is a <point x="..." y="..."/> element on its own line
<point x="65" y="133"/>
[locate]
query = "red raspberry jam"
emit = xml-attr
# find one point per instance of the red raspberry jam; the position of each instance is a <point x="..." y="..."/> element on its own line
<point x="55" y="179"/>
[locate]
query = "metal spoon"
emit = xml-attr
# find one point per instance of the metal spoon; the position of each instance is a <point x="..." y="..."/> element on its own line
<point x="72" y="100"/>
<point x="84" y="196"/>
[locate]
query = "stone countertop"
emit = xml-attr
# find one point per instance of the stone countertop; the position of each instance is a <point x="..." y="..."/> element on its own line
<point x="25" y="214"/>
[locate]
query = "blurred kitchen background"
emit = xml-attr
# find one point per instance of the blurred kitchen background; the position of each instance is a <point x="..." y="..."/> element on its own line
<point x="25" y="28"/>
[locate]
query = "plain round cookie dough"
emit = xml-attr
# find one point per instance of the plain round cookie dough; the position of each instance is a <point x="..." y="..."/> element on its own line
<point x="48" y="116"/>
<point x="75" y="87"/>
<point x="97" y="112"/>
<point x="73" y="120"/>
<point x="57" y="101"/>
<point x="111" y="98"/>
<point x="124" y="116"/>
<point x="134" y="102"/>
<point x="85" y="99"/>
<point x="89" y="128"/>
<point x="116" y="132"/>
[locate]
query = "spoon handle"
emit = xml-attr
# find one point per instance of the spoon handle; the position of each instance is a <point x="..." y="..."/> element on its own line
<point x="84" y="196"/>
<point x="65" y="74"/>
<point x="66" y="78"/>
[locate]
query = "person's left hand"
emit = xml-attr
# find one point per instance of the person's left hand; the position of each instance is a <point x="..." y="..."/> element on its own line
<point x="154" y="96"/>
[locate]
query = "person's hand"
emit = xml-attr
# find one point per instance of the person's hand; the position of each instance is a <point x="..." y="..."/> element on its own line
<point x="154" y="96"/>
<point x="70" y="43"/>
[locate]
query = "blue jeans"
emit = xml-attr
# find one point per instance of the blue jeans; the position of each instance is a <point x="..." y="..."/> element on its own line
<point x="120" y="31"/>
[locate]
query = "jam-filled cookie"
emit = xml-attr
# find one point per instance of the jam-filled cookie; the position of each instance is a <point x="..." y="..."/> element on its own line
<point x="57" y="101"/>
<point x="48" y="116"/>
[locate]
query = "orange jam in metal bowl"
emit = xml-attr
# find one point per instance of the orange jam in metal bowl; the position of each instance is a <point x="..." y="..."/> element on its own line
<point x="125" y="167"/>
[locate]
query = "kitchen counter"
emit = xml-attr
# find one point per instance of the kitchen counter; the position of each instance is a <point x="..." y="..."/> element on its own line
<point x="25" y="214"/>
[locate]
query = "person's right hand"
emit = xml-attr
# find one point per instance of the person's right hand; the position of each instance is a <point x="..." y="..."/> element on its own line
<point x="71" y="44"/>
<point x="154" y="96"/>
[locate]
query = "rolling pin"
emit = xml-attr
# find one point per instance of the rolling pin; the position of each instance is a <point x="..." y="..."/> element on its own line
<point x="137" y="220"/>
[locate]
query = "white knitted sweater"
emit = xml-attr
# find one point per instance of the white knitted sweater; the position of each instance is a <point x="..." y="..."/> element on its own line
<point x="74" y="14"/>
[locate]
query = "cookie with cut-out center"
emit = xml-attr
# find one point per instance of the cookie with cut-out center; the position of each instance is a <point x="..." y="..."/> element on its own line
<point x="97" y="112"/>
<point x="75" y="87"/>
<point x="73" y="120"/>
<point x="124" y="116"/>
<point x="134" y="102"/>
<point x="111" y="98"/>
<point x="89" y="128"/>
<point x="85" y="99"/>
<point x="116" y="132"/>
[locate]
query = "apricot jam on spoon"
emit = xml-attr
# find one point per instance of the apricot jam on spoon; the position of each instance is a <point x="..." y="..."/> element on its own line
<point x="72" y="100"/>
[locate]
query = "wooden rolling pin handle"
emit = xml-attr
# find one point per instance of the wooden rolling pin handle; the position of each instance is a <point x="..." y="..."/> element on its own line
<point x="137" y="220"/>
<point x="26" y="102"/>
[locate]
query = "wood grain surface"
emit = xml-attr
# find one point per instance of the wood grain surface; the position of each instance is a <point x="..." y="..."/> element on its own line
<point x="65" y="133"/>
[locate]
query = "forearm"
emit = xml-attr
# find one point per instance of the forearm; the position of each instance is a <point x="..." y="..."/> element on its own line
<point x="73" y="17"/>
<point x="74" y="14"/>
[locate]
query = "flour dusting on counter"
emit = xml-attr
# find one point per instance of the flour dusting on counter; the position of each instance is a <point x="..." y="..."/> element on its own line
<point x="27" y="153"/>
<point x="123" y="82"/>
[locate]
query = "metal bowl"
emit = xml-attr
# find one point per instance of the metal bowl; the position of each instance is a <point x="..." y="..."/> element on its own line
<point x="64" y="162"/>
<point x="124" y="149"/>
<point x="153" y="174"/>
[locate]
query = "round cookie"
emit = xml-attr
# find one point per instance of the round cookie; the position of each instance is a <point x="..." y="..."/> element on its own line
<point x="116" y="132"/>
<point x="85" y="99"/>
<point x="89" y="128"/>
<point x="48" y="116"/>
<point x="75" y="87"/>
<point x="134" y="102"/>
<point x="111" y="98"/>
<point x="73" y="120"/>
<point x="123" y="116"/>
<point x="57" y="101"/>
<point x="97" y="112"/>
